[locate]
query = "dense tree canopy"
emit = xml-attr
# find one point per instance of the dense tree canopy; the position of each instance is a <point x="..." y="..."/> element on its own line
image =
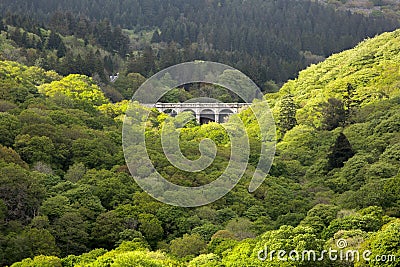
<point x="68" y="199"/>
<point x="267" y="40"/>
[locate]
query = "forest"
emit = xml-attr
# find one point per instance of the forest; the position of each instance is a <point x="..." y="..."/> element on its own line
<point x="67" y="197"/>
<point x="266" y="40"/>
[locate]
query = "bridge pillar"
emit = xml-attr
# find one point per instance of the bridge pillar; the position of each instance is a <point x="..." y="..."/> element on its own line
<point x="216" y="116"/>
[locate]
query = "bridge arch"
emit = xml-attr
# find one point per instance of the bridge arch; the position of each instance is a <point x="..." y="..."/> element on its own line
<point x="194" y="113"/>
<point x="207" y="115"/>
<point x="224" y="114"/>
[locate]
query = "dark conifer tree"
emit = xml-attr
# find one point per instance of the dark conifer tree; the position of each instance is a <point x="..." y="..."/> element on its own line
<point x="286" y="119"/>
<point x="90" y="61"/>
<point x="340" y="153"/>
<point x="156" y="37"/>
<point x="61" y="50"/>
<point x="25" y="40"/>
<point x="350" y="103"/>
<point x="2" y="25"/>
<point x="148" y="64"/>
<point x="53" y="41"/>
<point x="108" y="64"/>
<point x="333" y="114"/>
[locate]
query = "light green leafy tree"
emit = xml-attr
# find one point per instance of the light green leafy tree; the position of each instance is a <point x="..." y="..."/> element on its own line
<point x="77" y="87"/>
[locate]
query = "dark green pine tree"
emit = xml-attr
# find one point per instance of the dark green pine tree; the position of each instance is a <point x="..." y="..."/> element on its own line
<point x="120" y="42"/>
<point x="24" y="39"/>
<point x="350" y="103"/>
<point x="108" y="64"/>
<point x="99" y="66"/>
<point x="286" y="119"/>
<point x="104" y="35"/>
<point x="67" y="64"/>
<point x="39" y="44"/>
<point x="156" y="37"/>
<point x="2" y="26"/>
<point x="145" y="64"/>
<point x="61" y="50"/>
<point x="90" y="61"/>
<point x="80" y="66"/>
<point x="341" y="151"/>
<point x="333" y="114"/>
<point x="54" y="41"/>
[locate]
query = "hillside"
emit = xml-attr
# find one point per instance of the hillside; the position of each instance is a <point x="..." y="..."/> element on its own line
<point x="265" y="39"/>
<point x="371" y="69"/>
<point x="335" y="175"/>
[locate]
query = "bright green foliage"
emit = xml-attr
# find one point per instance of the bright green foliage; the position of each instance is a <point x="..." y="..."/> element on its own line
<point x="222" y="241"/>
<point x="371" y="68"/>
<point x="134" y="258"/>
<point x="384" y="245"/>
<point x="77" y="87"/>
<point x="287" y="238"/>
<point x="43" y="261"/>
<point x="114" y="110"/>
<point x="205" y="260"/>
<point x="85" y="258"/>
<point x="18" y="82"/>
<point x="128" y="254"/>
<point x="215" y="132"/>
<point x="368" y="220"/>
<point x="299" y="143"/>
<point x="241" y="255"/>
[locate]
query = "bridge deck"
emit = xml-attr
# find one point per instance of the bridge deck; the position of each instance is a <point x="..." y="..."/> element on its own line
<point x="197" y="105"/>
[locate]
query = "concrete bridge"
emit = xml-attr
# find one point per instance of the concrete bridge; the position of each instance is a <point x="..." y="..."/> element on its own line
<point x="204" y="112"/>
